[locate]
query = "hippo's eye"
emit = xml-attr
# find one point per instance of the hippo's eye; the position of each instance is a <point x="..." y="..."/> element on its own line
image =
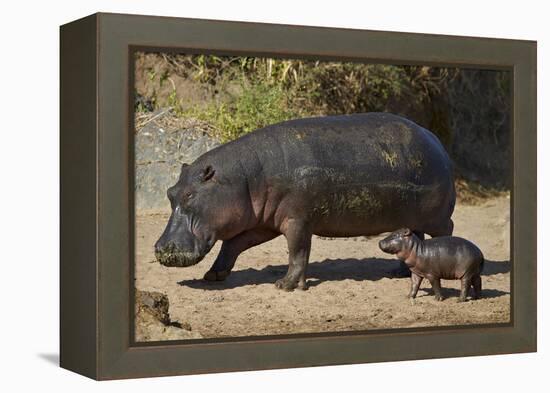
<point x="189" y="195"/>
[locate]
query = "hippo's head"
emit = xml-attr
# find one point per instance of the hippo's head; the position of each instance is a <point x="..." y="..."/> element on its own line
<point x="397" y="241"/>
<point x="203" y="208"/>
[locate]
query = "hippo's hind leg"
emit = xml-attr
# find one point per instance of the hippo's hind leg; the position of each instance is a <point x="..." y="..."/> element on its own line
<point x="436" y="286"/>
<point x="445" y="229"/>
<point x="476" y="283"/>
<point x="465" y="284"/>
<point x="298" y="236"/>
<point x="232" y="248"/>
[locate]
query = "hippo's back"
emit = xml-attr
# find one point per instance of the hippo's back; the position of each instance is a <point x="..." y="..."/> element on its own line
<point x="398" y="147"/>
<point x="357" y="174"/>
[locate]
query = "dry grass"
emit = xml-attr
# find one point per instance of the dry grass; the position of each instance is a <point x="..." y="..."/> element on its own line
<point x="472" y="193"/>
<point x="166" y="120"/>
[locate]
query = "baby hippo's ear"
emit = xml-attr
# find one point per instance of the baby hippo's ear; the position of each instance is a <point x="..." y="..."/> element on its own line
<point x="207" y="173"/>
<point x="407" y="232"/>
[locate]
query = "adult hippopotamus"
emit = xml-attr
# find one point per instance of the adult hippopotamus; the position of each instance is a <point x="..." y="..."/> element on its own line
<point x="335" y="176"/>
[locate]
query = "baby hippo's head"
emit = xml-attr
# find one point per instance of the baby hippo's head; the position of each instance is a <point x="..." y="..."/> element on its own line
<point x="397" y="241"/>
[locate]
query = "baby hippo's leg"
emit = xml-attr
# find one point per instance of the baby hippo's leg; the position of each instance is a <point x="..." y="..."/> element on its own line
<point x="416" y="280"/>
<point x="465" y="284"/>
<point x="476" y="283"/>
<point x="436" y="285"/>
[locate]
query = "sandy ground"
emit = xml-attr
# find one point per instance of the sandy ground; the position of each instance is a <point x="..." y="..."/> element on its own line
<point x="350" y="284"/>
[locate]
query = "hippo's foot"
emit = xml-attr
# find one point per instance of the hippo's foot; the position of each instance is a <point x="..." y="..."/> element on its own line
<point x="438" y="298"/>
<point x="288" y="285"/>
<point x="213" y="275"/>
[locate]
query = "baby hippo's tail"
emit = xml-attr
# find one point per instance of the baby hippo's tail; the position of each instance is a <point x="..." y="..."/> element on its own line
<point x="482" y="263"/>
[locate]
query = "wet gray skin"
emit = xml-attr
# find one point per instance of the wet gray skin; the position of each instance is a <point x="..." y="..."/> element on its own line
<point x="184" y="241"/>
<point x="336" y="176"/>
<point x="445" y="257"/>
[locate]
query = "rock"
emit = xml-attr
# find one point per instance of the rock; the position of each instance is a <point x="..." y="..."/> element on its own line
<point x="154" y="303"/>
<point x="159" y="153"/>
<point x="153" y="321"/>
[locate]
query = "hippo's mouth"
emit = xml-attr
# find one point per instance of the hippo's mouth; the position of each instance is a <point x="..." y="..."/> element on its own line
<point x="173" y="257"/>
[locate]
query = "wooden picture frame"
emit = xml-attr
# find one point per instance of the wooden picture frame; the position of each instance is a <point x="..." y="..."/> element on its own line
<point x="97" y="196"/>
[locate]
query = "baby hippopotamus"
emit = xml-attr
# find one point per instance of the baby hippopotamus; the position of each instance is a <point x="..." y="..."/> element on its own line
<point x="445" y="257"/>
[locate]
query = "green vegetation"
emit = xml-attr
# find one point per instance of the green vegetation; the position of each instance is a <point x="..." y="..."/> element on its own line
<point x="258" y="106"/>
<point x="240" y="94"/>
<point x="467" y="109"/>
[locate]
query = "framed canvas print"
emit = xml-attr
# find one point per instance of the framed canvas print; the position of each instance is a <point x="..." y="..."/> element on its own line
<point x="241" y="196"/>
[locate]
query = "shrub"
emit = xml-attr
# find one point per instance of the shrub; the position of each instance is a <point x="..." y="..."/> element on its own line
<point x="257" y="106"/>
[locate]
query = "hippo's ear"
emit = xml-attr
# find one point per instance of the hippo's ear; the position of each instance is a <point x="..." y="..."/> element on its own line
<point x="207" y="173"/>
<point x="407" y="232"/>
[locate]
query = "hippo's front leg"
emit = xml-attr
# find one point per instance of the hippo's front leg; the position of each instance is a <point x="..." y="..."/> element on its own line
<point x="416" y="280"/>
<point x="298" y="237"/>
<point x="232" y="248"/>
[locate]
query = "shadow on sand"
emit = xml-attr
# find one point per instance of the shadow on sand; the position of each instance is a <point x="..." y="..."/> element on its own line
<point x="371" y="269"/>
<point x="495" y="267"/>
<point x="455" y="293"/>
